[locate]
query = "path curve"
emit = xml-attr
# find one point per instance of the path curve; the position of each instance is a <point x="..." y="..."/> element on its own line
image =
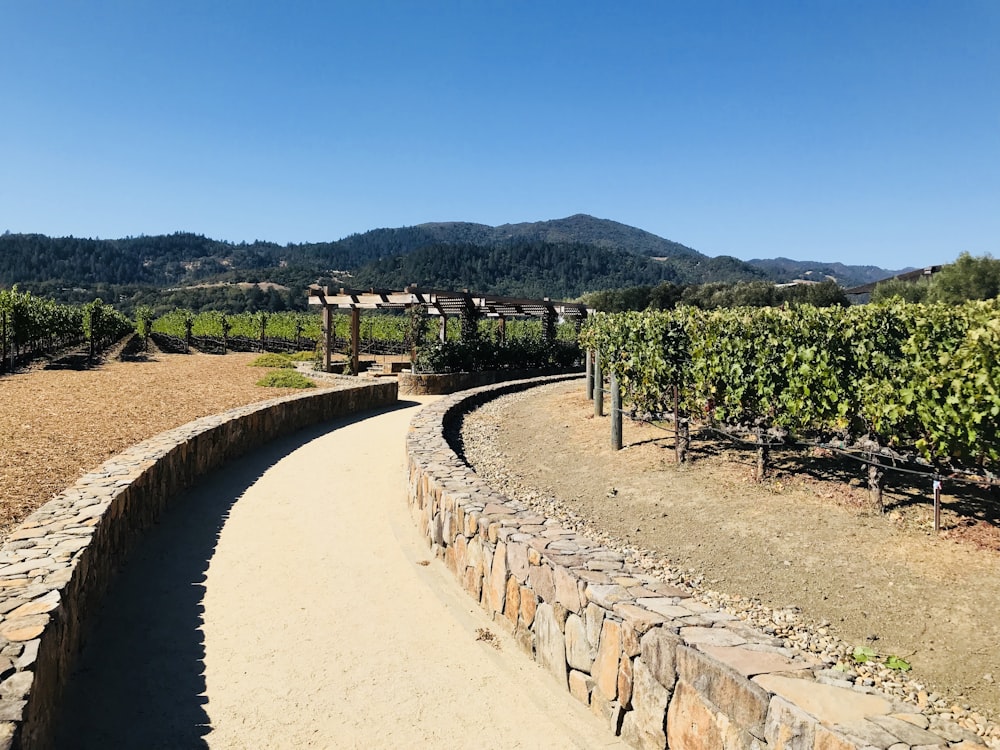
<point x="284" y="603"/>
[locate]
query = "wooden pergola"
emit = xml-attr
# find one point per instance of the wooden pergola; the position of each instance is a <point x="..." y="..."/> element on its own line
<point x="443" y="304"/>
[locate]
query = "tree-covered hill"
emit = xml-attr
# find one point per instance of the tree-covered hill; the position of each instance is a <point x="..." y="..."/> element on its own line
<point x="518" y="268"/>
<point x="559" y="258"/>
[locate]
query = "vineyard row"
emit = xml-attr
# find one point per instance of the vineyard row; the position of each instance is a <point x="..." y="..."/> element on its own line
<point x="893" y="379"/>
<point x="32" y="326"/>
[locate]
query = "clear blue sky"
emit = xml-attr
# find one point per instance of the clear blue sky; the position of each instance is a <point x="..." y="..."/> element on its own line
<point x="864" y="132"/>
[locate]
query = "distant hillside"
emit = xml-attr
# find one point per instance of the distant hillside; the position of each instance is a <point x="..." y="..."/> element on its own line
<point x="558" y="258"/>
<point x="782" y="270"/>
<point x="518" y="267"/>
<point x="578" y="229"/>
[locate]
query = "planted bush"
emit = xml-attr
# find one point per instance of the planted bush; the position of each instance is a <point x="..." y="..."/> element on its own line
<point x="285" y="379"/>
<point x="273" y="360"/>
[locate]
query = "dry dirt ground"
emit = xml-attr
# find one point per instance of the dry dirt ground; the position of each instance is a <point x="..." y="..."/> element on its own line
<point x="58" y="424"/>
<point x="799" y="539"/>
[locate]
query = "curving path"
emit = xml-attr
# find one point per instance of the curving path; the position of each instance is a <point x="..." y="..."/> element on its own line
<point x="283" y="603"/>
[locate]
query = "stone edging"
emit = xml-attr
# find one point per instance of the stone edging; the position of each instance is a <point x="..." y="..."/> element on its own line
<point x="55" y="566"/>
<point x="450" y="382"/>
<point x="658" y="667"/>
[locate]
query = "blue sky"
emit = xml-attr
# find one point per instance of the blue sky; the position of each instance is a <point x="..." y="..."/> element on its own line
<point x="861" y="132"/>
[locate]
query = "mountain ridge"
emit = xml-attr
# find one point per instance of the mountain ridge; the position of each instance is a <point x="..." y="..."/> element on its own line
<point x="558" y="257"/>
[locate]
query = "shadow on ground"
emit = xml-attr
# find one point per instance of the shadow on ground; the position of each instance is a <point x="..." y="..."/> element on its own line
<point x="139" y="681"/>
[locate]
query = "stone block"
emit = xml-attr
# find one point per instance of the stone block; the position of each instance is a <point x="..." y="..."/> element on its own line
<point x="579" y="653"/>
<point x="826" y="739"/>
<point x="603" y="708"/>
<point x="637" y="618"/>
<point x="461" y="550"/>
<point x="750" y="662"/>
<point x="594" y="617"/>
<point x="474" y="557"/>
<point x="16" y="686"/>
<point x="550" y="647"/>
<point x="609" y="651"/>
<point x="702" y="636"/>
<point x="540" y="581"/>
<point x="631" y="646"/>
<point x="607" y="595"/>
<point x="645" y="725"/>
<point x="512" y="601"/>
<point x="524" y="638"/>
<point x="567" y="590"/>
<point x="743" y="702"/>
<point x="580" y="685"/>
<point x="472" y="582"/>
<point x="833" y="706"/>
<point x="659" y="652"/>
<point x="625" y="682"/>
<point x="693" y="723"/>
<point x="517" y="561"/>
<point x="451" y="560"/>
<point x="788" y="727"/>
<point x="528" y="605"/>
<point x="905" y="731"/>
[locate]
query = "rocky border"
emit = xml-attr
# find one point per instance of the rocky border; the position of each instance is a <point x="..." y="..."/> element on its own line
<point x="444" y="383"/>
<point x="56" y="566"/>
<point x="661" y="669"/>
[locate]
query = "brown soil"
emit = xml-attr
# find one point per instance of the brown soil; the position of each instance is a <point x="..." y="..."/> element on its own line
<point x="58" y="424"/>
<point x="801" y="538"/>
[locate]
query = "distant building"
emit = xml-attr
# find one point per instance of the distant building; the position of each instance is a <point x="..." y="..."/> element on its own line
<point x="863" y="293"/>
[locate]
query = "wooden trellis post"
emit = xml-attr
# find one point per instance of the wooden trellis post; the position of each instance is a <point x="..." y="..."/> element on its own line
<point x="327" y="337"/>
<point x="616" y="413"/>
<point x="598" y="386"/>
<point x="355" y="340"/>
<point x="589" y="363"/>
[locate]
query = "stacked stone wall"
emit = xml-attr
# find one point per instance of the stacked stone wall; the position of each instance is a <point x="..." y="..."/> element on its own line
<point x="659" y="668"/>
<point x="441" y="384"/>
<point x="55" y="567"/>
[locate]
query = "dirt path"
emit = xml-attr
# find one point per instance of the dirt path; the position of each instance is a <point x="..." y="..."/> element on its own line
<point x="287" y="603"/>
<point x="882" y="581"/>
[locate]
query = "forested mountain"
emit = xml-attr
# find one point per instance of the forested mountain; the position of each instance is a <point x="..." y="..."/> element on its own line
<point x="560" y="258"/>
<point x="518" y="268"/>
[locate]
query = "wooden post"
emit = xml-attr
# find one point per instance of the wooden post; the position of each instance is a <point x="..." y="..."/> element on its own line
<point x="355" y="339"/>
<point x="443" y="328"/>
<point x="616" y="413"/>
<point x="327" y="337"/>
<point x="682" y="432"/>
<point x="3" y="340"/>
<point x="598" y="386"/>
<point x="502" y="330"/>
<point x="589" y="363"/>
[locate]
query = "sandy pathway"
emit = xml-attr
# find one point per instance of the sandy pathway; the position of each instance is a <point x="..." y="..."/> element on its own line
<point x="300" y="616"/>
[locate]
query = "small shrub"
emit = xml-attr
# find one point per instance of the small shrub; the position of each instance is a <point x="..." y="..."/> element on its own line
<point x="301" y="356"/>
<point x="285" y="379"/>
<point x="273" y="360"/>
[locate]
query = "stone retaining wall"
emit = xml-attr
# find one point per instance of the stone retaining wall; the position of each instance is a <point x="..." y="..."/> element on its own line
<point x="440" y="384"/>
<point x="658" y="667"/>
<point x="56" y="565"/>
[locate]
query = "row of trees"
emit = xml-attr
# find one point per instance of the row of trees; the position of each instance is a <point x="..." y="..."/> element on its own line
<point x="899" y="379"/>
